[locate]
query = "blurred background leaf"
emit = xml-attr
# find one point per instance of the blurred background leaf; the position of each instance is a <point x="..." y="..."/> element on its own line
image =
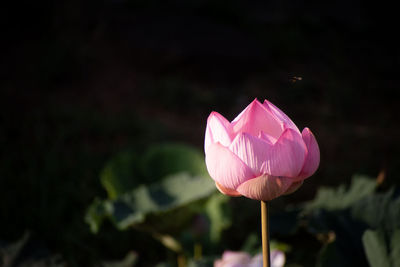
<point x="218" y="212"/>
<point x="173" y="192"/>
<point x="120" y="174"/>
<point x="375" y="248"/>
<point x="129" y="169"/>
<point x="180" y="193"/>
<point x="342" y="197"/>
<point x="361" y="227"/>
<point x="379" y="211"/>
<point x="395" y="247"/>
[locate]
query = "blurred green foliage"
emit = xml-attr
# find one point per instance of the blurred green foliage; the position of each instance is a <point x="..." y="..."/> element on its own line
<point x="353" y="225"/>
<point x="350" y="225"/>
<point x="165" y="207"/>
<point x="341" y="197"/>
<point x="129" y="169"/>
<point x="358" y="224"/>
<point x="132" y="208"/>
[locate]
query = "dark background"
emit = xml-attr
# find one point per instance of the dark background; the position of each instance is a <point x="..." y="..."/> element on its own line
<point x="83" y="80"/>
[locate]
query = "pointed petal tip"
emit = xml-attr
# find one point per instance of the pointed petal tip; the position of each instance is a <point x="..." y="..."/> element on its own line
<point x="266" y="103"/>
<point x="253" y="103"/>
<point x="306" y="130"/>
<point x="214" y="114"/>
<point x="218" y="129"/>
<point x="255" y="118"/>
<point x="280" y="115"/>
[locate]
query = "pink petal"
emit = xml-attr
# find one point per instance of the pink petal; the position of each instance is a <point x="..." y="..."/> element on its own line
<point x="227" y="191"/>
<point x="253" y="151"/>
<point x="267" y="138"/>
<point x="208" y="139"/>
<point x="256" y="118"/>
<point x="218" y="130"/>
<point x="233" y="259"/>
<point x="280" y="115"/>
<point x="286" y="157"/>
<point x="311" y="162"/>
<point x="277" y="258"/>
<point x="234" y="256"/>
<point x="225" y="167"/>
<point x="293" y="187"/>
<point x="264" y="187"/>
<point x="256" y="261"/>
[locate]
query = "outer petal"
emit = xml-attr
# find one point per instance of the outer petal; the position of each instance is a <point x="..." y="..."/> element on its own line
<point x="280" y="115"/>
<point x="218" y="130"/>
<point x="286" y="157"/>
<point x="208" y="139"/>
<point x="264" y="187"/>
<point x="225" y="167"/>
<point x="311" y="162"/>
<point x="227" y="191"/>
<point x="256" y="118"/>
<point x="293" y="187"/>
<point x="253" y="151"/>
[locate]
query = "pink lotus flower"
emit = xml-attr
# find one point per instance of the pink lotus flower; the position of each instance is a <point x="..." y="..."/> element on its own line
<point x="261" y="154"/>
<point x="243" y="259"/>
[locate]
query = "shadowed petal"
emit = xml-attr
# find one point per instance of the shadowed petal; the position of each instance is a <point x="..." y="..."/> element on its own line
<point x="225" y="167"/>
<point x="227" y="191"/>
<point x="293" y="187"/>
<point x="218" y="130"/>
<point x="253" y="151"/>
<point x="256" y="118"/>
<point x="264" y="187"/>
<point x="286" y="157"/>
<point x="280" y="115"/>
<point x="311" y="162"/>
